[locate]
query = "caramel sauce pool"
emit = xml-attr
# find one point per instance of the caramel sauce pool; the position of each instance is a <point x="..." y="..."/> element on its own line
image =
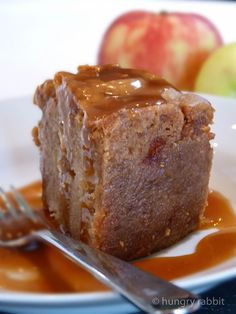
<point x="47" y="270"/>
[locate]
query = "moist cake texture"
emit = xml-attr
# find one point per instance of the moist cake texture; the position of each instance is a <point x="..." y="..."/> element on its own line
<point x="125" y="158"/>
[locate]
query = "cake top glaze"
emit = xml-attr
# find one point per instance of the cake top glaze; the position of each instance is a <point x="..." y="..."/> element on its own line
<point x="102" y="90"/>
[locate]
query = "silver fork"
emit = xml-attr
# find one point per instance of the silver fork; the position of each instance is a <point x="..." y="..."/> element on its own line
<point x="148" y="292"/>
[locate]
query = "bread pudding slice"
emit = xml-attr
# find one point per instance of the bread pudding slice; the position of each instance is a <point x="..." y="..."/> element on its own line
<point x="125" y="158"/>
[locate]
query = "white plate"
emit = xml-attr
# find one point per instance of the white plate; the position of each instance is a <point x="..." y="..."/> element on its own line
<point x="19" y="165"/>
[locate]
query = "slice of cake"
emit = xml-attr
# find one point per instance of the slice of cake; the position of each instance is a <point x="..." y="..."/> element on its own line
<point x="125" y="158"/>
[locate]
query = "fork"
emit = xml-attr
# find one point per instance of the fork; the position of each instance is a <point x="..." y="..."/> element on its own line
<point x="20" y="226"/>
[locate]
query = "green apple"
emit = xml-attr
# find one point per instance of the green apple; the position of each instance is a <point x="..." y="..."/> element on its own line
<point x="218" y="73"/>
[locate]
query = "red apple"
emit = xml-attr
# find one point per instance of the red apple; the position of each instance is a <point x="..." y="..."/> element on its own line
<point x="171" y="45"/>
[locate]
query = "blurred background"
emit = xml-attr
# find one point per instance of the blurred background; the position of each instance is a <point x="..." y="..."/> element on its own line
<point x="38" y="38"/>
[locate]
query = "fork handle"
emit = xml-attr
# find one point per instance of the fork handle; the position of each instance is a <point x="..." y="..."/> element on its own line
<point x="148" y="292"/>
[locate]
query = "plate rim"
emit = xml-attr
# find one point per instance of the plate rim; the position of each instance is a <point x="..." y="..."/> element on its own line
<point x="21" y="298"/>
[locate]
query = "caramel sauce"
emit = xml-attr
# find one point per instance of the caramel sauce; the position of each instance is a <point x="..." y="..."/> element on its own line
<point x="210" y="251"/>
<point x="46" y="270"/>
<point x="218" y="213"/>
<point x="102" y="90"/>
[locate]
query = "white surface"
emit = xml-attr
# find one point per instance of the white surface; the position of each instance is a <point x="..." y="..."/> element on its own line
<point x="19" y="165"/>
<point x="39" y="38"/>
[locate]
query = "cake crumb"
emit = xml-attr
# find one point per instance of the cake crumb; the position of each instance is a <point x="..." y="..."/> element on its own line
<point x="167" y="232"/>
<point x="121" y="243"/>
<point x="35" y="134"/>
